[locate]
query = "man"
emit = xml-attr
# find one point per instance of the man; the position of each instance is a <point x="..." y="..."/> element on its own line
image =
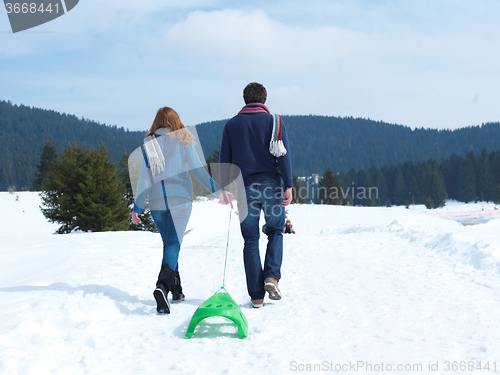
<point x="256" y="142"/>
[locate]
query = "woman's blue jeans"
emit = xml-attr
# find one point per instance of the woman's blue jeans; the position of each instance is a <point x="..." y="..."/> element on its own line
<point x="171" y="221"/>
<point x="265" y="196"/>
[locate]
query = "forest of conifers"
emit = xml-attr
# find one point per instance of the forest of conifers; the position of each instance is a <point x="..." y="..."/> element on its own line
<point x="474" y="177"/>
<point x="362" y="150"/>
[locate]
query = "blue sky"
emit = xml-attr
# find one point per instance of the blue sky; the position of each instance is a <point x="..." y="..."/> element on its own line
<point x="417" y="63"/>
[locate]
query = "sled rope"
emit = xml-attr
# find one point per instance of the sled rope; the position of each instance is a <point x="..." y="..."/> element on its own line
<point x="227" y="244"/>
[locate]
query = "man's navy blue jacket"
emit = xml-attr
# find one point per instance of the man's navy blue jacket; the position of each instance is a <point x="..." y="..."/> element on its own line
<point x="245" y="143"/>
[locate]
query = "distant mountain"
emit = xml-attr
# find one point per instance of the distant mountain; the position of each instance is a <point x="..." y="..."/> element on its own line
<point x="24" y="131"/>
<point x="344" y="143"/>
<point x="316" y="141"/>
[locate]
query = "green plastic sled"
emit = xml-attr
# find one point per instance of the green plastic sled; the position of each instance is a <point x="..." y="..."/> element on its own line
<point x="220" y="304"/>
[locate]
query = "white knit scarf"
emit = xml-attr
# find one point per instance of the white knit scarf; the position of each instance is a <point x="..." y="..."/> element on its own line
<point x="154" y="154"/>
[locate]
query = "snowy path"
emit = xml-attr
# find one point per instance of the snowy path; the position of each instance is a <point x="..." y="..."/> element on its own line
<point x="360" y="284"/>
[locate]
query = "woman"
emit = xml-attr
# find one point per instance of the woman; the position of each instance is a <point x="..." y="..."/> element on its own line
<point x="167" y="156"/>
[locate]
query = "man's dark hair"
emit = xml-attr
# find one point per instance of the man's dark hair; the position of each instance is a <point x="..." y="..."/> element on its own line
<point x="254" y="93"/>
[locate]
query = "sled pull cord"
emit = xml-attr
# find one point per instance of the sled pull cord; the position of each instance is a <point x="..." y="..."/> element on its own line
<point x="227" y="243"/>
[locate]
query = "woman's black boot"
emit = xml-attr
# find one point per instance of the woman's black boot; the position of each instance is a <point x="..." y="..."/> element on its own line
<point x="177" y="295"/>
<point x="165" y="284"/>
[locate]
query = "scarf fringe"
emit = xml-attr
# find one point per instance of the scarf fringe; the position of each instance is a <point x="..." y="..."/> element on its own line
<point x="155" y="155"/>
<point x="277" y="148"/>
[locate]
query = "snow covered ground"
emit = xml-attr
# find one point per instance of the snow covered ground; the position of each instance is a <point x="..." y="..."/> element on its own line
<point x="365" y="290"/>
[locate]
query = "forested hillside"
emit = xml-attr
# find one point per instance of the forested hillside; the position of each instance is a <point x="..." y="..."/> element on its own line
<point x="316" y="141"/>
<point x="24" y="131"/>
<point x="345" y="143"/>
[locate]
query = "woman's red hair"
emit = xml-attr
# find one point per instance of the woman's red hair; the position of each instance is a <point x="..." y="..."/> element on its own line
<point x="166" y="117"/>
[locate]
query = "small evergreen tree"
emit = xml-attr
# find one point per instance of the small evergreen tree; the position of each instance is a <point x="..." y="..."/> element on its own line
<point x="330" y="188"/>
<point x="213" y="158"/>
<point x="484" y="176"/>
<point x="60" y="189"/>
<point x="436" y="192"/>
<point x="400" y="193"/>
<point x="429" y="203"/>
<point x="383" y="192"/>
<point x="48" y="156"/>
<point x="84" y="192"/>
<point x="348" y="201"/>
<point x="101" y="201"/>
<point x="466" y="182"/>
<point x="496" y="195"/>
<point x="297" y="198"/>
<point x="369" y="199"/>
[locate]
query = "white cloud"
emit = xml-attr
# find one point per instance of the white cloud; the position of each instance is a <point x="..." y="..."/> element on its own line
<point x="254" y="41"/>
<point x="410" y="77"/>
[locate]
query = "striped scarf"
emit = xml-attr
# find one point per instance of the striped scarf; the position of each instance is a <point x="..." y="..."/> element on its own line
<point x="254" y="108"/>
<point x="276" y="146"/>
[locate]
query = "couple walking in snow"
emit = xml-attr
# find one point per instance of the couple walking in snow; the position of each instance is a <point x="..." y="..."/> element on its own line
<point x="254" y="141"/>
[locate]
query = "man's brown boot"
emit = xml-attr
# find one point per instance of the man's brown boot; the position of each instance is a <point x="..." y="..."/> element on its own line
<point x="256" y="303"/>
<point x="271" y="286"/>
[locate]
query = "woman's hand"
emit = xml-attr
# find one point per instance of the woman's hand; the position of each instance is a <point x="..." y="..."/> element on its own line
<point x="224" y="197"/>
<point x="135" y="218"/>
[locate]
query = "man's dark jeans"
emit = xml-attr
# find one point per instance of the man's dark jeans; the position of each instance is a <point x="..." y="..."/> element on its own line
<point x="266" y="196"/>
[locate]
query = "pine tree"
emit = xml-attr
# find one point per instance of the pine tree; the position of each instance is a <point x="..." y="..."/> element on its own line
<point x="369" y="198"/>
<point x="101" y="201"/>
<point x="420" y="180"/>
<point x="414" y="192"/>
<point x="450" y="168"/>
<point x="466" y="182"/>
<point x="383" y="192"/>
<point x="48" y="155"/>
<point x="213" y="159"/>
<point x="435" y="192"/>
<point x="496" y="196"/>
<point x="330" y="188"/>
<point x="485" y="180"/>
<point x="348" y="200"/>
<point x="60" y="189"/>
<point x="429" y="203"/>
<point x="297" y="198"/>
<point x="360" y="194"/>
<point x="399" y="192"/>
<point x="349" y="182"/>
<point x="84" y="192"/>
